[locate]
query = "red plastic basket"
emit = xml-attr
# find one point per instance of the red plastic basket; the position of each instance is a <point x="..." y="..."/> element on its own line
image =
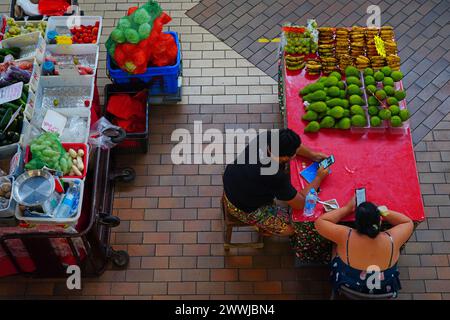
<point x="67" y="146"/>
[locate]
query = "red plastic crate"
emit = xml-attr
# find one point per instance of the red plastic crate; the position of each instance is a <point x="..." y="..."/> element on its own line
<point x="67" y="146"/>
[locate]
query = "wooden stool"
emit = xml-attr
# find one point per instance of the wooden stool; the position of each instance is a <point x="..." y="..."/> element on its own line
<point x="229" y="223"/>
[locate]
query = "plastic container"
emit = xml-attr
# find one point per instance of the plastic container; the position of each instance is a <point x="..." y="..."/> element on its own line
<point x="83" y="84"/>
<point x="402" y="104"/>
<point x="63" y="24"/>
<point x="11" y="158"/>
<point x="40" y="17"/>
<point x="32" y="43"/>
<point x="365" y="129"/>
<point x="77" y="50"/>
<point x="22" y="25"/>
<point x="34" y="130"/>
<point x="67" y="146"/>
<point x="135" y="142"/>
<point x="9" y="211"/>
<point x="160" y="80"/>
<point x="69" y="221"/>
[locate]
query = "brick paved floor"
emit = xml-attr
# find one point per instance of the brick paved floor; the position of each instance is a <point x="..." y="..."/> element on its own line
<point x="421" y="28"/>
<point x="171" y="223"/>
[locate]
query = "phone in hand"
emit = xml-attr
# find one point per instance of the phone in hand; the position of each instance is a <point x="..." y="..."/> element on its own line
<point x="360" y="194"/>
<point x="327" y="162"/>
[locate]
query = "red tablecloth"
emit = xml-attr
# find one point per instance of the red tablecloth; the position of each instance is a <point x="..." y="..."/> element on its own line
<point x="383" y="163"/>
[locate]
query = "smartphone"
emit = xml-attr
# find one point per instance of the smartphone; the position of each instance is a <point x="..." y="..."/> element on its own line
<point x="327" y="162"/>
<point x="360" y="196"/>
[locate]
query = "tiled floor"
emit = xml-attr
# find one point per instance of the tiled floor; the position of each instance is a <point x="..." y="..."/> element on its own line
<point x="171" y="223"/>
<point x="421" y="27"/>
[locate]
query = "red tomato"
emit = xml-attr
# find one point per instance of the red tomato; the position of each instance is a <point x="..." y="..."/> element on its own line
<point x="94" y="41"/>
<point x="86" y="40"/>
<point x="97" y="24"/>
<point x="95" y="31"/>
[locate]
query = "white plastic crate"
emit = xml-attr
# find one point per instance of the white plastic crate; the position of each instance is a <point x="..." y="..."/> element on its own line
<point x="74" y="50"/>
<point x="56" y="82"/>
<point x="43" y="220"/>
<point x="65" y="23"/>
<point x="28" y="41"/>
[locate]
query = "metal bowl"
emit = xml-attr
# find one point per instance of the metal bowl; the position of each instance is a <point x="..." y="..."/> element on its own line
<point x="33" y="188"/>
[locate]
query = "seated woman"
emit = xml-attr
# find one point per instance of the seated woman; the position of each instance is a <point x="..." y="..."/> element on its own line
<point x="250" y="193"/>
<point x="359" y="252"/>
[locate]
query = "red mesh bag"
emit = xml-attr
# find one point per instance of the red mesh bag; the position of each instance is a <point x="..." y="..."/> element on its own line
<point x="53" y="7"/>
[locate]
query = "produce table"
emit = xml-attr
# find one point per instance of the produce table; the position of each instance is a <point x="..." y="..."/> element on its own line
<point x="383" y="163"/>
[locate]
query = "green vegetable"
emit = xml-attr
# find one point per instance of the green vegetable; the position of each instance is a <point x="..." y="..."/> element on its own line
<point x="400" y="95"/>
<point x="336" y="75"/>
<point x="372" y="101"/>
<point x="396" y="121"/>
<point x="141" y="16"/>
<point x="390" y="91"/>
<point x="354" y="89"/>
<point x="331" y="81"/>
<point x="356" y="109"/>
<point x="318" y="107"/>
<point x="118" y="35"/>
<point x="327" y="122"/>
<point x="310" y="116"/>
<point x="336" y="112"/>
<point x="387" y="81"/>
<point x="359" y="121"/>
<point x="386" y="71"/>
<point x="380" y="94"/>
<point x="373" y="110"/>
<point x="395" y="110"/>
<point x="144" y="30"/>
<point x="371" y="88"/>
<point x="132" y="36"/>
<point x="313" y="126"/>
<point x="353" y="80"/>
<point x="341" y="85"/>
<point x="385" y="114"/>
<point x="379" y="76"/>
<point x="375" y="121"/>
<point x="368" y="72"/>
<point x="344" y="123"/>
<point x="319" y="95"/>
<point x="397" y="75"/>
<point x="333" y="91"/>
<point x="369" y="80"/>
<point x="355" y="99"/>
<point x="404" y="114"/>
<point x="351" y="71"/>
<point x="391" y="101"/>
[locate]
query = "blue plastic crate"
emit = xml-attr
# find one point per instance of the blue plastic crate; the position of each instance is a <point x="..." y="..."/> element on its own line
<point x="161" y="80"/>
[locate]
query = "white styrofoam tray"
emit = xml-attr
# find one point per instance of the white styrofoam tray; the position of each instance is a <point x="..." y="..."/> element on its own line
<point x="69" y="221"/>
<point x="28" y="40"/>
<point x="65" y="23"/>
<point x="73" y="50"/>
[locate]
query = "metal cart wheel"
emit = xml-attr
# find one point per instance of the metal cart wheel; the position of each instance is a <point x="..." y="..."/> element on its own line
<point x="120" y="258"/>
<point x="125" y="175"/>
<point x="109" y="221"/>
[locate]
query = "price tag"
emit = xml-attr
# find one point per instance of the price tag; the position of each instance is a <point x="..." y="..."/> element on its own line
<point x="54" y="122"/>
<point x="379" y="45"/>
<point x="11" y="93"/>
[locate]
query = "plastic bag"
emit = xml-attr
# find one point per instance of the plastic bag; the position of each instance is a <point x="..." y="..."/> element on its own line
<point x="47" y="151"/>
<point x="53" y="7"/>
<point x="104" y="134"/>
<point x="165" y="51"/>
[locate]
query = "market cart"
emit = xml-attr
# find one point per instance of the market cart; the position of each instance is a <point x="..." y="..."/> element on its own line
<point x="47" y="250"/>
<point x="380" y="159"/>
